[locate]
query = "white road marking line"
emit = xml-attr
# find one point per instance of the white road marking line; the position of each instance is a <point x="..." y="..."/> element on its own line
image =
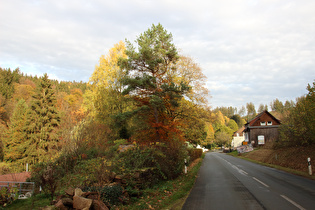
<point x="292" y="202"/>
<point x="235" y="167"/>
<point x="244" y="172"/>
<point x="260" y="182"/>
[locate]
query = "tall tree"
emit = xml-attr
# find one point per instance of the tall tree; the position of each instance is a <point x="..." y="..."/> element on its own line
<point x="42" y="121"/>
<point x="262" y="108"/>
<point x="190" y="73"/>
<point x="242" y="111"/>
<point x="105" y="94"/>
<point x="277" y="105"/>
<point x="146" y="81"/>
<point x="14" y="144"/>
<point x="251" y="111"/>
<point x="299" y="126"/>
<point x="7" y="80"/>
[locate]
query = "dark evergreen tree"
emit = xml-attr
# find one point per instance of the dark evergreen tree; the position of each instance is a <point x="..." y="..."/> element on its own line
<point x="14" y="144"/>
<point x="43" y="119"/>
<point x="7" y="80"/>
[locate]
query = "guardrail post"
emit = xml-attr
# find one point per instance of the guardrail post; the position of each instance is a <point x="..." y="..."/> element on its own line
<point x="309" y="166"/>
<point x="185" y="166"/>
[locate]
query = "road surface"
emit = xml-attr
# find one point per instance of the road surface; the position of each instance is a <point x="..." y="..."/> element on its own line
<point x="226" y="182"/>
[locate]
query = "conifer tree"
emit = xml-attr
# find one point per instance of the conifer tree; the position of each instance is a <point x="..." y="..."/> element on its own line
<point x="148" y="83"/>
<point x="14" y="144"/>
<point x="43" y="119"/>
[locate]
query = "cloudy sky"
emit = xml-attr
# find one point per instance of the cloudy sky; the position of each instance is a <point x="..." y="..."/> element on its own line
<point x="250" y="50"/>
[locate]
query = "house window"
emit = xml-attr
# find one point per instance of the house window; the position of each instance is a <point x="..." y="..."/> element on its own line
<point x="261" y="139"/>
<point x="269" y="123"/>
<point x="262" y="123"/>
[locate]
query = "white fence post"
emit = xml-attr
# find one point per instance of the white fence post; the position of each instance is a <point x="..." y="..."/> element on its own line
<point x="309" y="166"/>
<point x="185" y="166"/>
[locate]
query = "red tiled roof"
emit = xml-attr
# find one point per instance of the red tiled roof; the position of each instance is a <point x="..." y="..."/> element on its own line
<point x="17" y="177"/>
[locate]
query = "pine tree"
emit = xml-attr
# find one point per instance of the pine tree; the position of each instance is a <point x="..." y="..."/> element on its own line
<point x="147" y="81"/>
<point x="14" y="147"/>
<point x="42" y="121"/>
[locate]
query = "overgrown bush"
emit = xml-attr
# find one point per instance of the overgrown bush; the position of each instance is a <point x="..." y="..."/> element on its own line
<point x="110" y="194"/>
<point x="194" y="153"/>
<point x="47" y="175"/>
<point x="92" y="172"/>
<point x="172" y="161"/>
<point x="139" y="164"/>
<point x="8" y="195"/>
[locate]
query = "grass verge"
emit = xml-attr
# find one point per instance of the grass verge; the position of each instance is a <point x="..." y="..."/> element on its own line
<point x="170" y="194"/>
<point x="35" y="202"/>
<point x="286" y="169"/>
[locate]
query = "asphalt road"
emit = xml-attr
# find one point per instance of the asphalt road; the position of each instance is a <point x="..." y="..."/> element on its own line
<point x="226" y="182"/>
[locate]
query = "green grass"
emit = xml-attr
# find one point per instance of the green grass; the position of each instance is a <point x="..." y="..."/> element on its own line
<point x="170" y="194"/>
<point x="35" y="202"/>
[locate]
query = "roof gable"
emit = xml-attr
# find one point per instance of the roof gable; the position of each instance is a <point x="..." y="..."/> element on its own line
<point x="264" y="116"/>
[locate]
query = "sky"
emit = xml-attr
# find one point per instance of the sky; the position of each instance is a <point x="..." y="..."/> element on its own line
<point x="249" y="50"/>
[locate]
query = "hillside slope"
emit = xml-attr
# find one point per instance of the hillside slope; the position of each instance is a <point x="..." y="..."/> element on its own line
<point x="292" y="158"/>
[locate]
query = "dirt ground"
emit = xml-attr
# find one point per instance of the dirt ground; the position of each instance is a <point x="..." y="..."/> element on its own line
<point x="292" y="157"/>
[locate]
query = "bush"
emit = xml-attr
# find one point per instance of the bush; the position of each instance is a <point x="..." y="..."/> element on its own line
<point x="109" y="194"/>
<point x="172" y="162"/>
<point x="8" y="195"/>
<point x="139" y="166"/>
<point x="47" y="175"/>
<point x="194" y="153"/>
<point x="150" y="164"/>
<point x="93" y="172"/>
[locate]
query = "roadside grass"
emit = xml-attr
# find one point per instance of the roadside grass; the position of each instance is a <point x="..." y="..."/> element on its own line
<point x="286" y="169"/>
<point x="35" y="202"/>
<point x="170" y="194"/>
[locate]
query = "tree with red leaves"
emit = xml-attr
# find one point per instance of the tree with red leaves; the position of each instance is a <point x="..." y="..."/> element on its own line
<point x="157" y="97"/>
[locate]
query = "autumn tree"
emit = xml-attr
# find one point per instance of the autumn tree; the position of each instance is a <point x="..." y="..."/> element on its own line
<point x="195" y="118"/>
<point x="277" y="106"/>
<point x="299" y="126"/>
<point x="251" y="111"/>
<point x="42" y="121"/>
<point x="157" y="96"/>
<point x="262" y="108"/>
<point x="242" y="111"/>
<point x="188" y="72"/>
<point x="105" y="99"/>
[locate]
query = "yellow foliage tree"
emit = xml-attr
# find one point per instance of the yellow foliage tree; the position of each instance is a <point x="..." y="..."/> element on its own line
<point x="104" y="99"/>
<point x="187" y="71"/>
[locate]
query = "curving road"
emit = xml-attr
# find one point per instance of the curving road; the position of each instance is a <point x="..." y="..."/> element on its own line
<point x="226" y="182"/>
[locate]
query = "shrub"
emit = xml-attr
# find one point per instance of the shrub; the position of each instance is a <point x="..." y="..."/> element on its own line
<point x="139" y="165"/>
<point x="47" y="175"/>
<point x="194" y="153"/>
<point x="109" y="194"/>
<point x="8" y="195"/>
<point x="172" y="162"/>
<point x="93" y="172"/>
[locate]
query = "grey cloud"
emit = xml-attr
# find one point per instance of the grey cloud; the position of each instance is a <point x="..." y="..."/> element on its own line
<point x="249" y="50"/>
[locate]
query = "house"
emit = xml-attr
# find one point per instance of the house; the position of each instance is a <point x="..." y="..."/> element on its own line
<point x="238" y="138"/>
<point x="262" y="129"/>
<point x="17" y="177"/>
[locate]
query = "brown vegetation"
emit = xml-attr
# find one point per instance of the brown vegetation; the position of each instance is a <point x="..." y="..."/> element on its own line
<point x="288" y="157"/>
